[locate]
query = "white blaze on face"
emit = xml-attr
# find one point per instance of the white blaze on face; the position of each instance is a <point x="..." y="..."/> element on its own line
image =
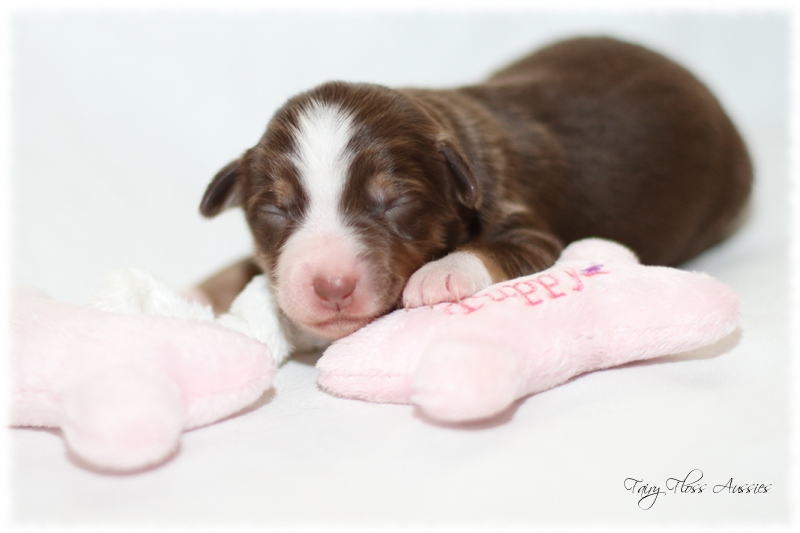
<point x="323" y="159"/>
<point x="323" y="246"/>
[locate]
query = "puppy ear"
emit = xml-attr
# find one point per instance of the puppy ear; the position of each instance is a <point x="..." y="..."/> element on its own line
<point x="468" y="191"/>
<point x="223" y="191"/>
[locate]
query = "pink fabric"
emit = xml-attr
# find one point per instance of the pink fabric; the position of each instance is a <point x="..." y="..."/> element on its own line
<point x="122" y="387"/>
<point x="597" y="307"/>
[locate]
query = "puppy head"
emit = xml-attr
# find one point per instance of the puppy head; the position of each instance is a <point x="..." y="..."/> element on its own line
<point x="350" y="190"/>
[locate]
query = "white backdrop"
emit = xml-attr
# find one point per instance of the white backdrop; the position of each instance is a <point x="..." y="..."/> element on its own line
<point x="119" y="121"/>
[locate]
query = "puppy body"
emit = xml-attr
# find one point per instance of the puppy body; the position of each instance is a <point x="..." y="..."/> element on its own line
<point x="362" y="198"/>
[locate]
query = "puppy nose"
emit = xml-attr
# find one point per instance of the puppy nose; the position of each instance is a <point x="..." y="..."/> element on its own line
<point x="335" y="292"/>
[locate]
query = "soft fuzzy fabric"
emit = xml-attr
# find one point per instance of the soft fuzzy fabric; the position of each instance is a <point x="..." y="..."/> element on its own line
<point x="123" y="385"/>
<point x="597" y="307"/>
<point x="124" y="377"/>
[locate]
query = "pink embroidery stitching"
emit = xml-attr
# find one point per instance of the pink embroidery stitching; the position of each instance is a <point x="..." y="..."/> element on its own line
<point x="578" y="281"/>
<point x="525" y="289"/>
<point x="549" y="286"/>
<point x="526" y="294"/>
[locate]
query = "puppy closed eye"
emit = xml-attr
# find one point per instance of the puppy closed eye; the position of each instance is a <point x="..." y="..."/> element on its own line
<point x="388" y="197"/>
<point x="272" y="211"/>
<point x="400" y="206"/>
<point x="278" y="203"/>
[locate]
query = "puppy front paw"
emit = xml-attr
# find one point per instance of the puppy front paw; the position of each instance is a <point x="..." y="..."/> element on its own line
<point x="450" y="279"/>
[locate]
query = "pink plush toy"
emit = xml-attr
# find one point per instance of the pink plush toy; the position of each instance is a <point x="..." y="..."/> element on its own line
<point x="597" y="307"/>
<point x="124" y="377"/>
<point x="122" y="380"/>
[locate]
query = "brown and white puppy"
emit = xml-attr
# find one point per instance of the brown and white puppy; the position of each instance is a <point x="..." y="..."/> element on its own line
<point x="362" y="198"/>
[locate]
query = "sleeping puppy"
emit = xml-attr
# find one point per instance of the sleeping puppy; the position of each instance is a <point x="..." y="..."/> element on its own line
<point x="362" y="199"/>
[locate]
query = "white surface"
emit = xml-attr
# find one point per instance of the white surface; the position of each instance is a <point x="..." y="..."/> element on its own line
<point x="121" y="119"/>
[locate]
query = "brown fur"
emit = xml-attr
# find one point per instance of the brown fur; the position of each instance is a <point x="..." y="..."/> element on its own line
<point x="587" y="137"/>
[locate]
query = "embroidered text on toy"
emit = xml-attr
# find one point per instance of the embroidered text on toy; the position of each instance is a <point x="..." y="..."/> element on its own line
<point x="533" y="291"/>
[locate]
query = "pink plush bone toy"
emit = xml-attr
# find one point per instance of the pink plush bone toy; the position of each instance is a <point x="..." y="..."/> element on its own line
<point x="123" y="378"/>
<point x="597" y="307"/>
